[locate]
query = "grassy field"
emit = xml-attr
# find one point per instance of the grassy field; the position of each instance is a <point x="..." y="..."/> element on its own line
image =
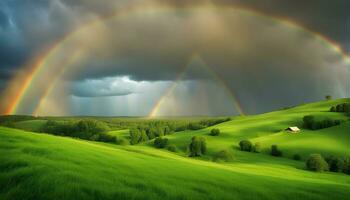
<point x="41" y="166"/>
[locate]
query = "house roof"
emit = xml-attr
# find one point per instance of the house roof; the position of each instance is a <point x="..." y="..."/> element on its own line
<point x="293" y="128"/>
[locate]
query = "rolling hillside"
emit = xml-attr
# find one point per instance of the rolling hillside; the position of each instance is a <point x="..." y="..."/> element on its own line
<point x="41" y="166"/>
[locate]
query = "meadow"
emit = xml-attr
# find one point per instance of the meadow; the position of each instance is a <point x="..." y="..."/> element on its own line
<point x="36" y="165"/>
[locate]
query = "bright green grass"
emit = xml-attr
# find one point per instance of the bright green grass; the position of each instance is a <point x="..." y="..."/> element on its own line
<point x="269" y="129"/>
<point x="30" y="125"/>
<point x="40" y="166"/>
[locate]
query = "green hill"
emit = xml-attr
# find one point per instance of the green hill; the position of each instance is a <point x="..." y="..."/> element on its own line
<point x="41" y="166"/>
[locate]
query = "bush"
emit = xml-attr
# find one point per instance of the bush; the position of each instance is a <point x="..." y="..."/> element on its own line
<point x="344" y="107"/>
<point x="172" y="148"/>
<point x="275" y="151"/>
<point x="316" y="163"/>
<point x="84" y="129"/>
<point x="224" y="155"/>
<point x="160" y="142"/>
<point x="346" y="167"/>
<point x="335" y="164"/>
<point x="198" y="146"/>
<point x="257" y="147"/>
<point x="296" y="157"/>
<point x="308" y="121"/>
<point x="311" y="123"/>
<point x="135" y="136"/>
<point x="245" y="145"/>
<point x="107" y="138"/>
<point x="122" y="141"/>
<point x="215" y="132"/>
<point x="195" y="126"/>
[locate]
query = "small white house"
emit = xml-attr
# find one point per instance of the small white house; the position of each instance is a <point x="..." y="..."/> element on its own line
<point x="293" y="129"/>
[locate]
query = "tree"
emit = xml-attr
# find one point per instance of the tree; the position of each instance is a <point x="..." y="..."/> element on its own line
<point x="329" y="97"/>
<point x="336" y="164"/>
<point x="245" y="145"/>
<point x="160" y="142"/>
<point x="198" y="146"/>
<point x="275" y="151"/>
<point x="144" y="136"/>
<point x="308" y="121"/>
<point x="215" y="132"/>
<point x="333" y="109"/>
<point x="135" y="136"/>
<point x="316" y="163"/>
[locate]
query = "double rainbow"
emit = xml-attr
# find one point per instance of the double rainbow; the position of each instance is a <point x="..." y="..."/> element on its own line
<point x="23" y="85"/>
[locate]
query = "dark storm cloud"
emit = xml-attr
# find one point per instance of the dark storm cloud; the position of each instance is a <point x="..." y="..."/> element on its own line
<point x="39" y="23"/>
<point x="267" y="62"/>
<point x="330" y="18"/>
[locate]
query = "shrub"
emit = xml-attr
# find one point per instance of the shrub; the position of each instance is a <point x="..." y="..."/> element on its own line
<point x="296" y="157"/>
<point x="122" y="141"/>
<point x="328" y="97"/>
<point x="195" y="126"/>
<point x="308" y="121"/>
<point x="275" y="151"/>
<point x="257" y="147"/>
<point x="336" y="164"/>
<point x="135" y="136"/>
<point x="316" y="163"/>
<point x="346" y="167"/>
<point x="224" y="155"/>
<point x="245" y="145"/>
<point x="160" y="142"/>
<point x="197" y="146"/>
<point x="172" y="148"/>
<point x="333" y="109"/>
<point x="215" y="132"/>
<point x="311" y="123"/>
<point x="344" y="107"/>
<point x="107" y="138"/>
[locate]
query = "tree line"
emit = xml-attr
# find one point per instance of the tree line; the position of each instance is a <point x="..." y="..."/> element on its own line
<point x="149" y="131"/>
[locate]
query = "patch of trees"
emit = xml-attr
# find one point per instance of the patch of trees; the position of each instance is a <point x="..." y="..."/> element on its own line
<point x="246" y="145"/>
<point x="344" y="108"/>
<point x="214" y="132"/>
<point x="86" y="129"/>
<point x="9" y="120"/>
<point x="311" y="123"/>
<point x="206" y="123"/>
<point x="198" y="146"/>
<point x="145" y="133"/>
<point x="316" y="162"/>
<point x="149" y="131"/>
<point x="176" y="124"/>
<point x="160" y="142"/>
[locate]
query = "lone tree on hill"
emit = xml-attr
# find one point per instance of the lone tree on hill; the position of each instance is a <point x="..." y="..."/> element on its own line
<point x="197" y="146"/>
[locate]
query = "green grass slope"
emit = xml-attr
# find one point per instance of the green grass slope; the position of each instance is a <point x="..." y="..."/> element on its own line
<point x="268" y="129"/>
<point x="41" y="166"/>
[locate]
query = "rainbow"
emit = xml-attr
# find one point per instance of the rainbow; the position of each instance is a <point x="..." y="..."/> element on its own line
<point x="16" y="98"/>
<point x="155" y="110"/>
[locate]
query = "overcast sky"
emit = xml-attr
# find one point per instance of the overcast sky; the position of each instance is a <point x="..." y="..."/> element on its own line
<point x="195" y="61"/>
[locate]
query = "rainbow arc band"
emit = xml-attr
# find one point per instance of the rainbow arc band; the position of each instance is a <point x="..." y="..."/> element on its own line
<point x="43" y="62"/>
